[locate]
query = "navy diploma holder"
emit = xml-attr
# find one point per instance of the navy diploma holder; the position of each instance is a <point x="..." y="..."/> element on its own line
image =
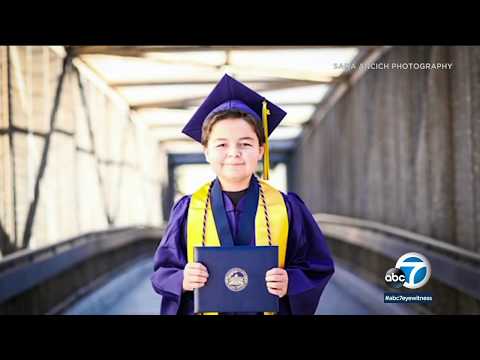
<point x="236" y="282"/>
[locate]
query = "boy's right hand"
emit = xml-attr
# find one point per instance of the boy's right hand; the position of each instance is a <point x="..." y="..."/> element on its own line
<point x="195" y="276"/>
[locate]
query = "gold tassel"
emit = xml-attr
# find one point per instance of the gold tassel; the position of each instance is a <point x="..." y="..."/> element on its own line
<point x="266" y="154"/>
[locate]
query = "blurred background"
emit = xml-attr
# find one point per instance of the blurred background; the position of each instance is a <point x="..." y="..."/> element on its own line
<point x="92" y="159"/>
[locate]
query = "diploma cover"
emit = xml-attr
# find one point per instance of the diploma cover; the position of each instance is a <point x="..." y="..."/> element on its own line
<point x="236" y="281"/>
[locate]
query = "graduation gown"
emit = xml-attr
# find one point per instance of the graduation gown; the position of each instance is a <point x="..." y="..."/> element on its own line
<point x="308" y="260"/>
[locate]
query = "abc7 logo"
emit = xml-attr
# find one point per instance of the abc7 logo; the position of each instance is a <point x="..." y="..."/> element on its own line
<point x="411" y="271"/>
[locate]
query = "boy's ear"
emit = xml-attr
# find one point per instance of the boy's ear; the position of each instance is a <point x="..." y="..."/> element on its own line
<point x="205" y="152"/>
<point x="261" y="151"/>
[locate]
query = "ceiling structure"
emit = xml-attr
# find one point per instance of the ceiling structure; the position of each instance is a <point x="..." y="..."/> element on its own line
<point x="164" y="85"/>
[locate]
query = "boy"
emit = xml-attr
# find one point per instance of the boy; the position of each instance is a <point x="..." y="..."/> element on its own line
<point x="233" y="125"/>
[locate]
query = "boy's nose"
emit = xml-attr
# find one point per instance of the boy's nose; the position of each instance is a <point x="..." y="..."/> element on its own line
<point x="233" y="153"/>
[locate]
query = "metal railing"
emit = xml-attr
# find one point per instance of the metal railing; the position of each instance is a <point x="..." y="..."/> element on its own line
<point x="452" y="265"/>
<point x="404" y="234"/>
<point x="25" y="269"/>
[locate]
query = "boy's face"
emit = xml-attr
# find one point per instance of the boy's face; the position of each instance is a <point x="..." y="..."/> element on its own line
<point x="233" y="150"/>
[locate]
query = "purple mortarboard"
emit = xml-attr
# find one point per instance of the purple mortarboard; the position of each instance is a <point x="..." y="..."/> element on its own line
<point x="231" y="94"/>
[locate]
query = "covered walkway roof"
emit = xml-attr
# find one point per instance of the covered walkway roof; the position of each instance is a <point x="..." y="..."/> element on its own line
<point x="164" y="85"/>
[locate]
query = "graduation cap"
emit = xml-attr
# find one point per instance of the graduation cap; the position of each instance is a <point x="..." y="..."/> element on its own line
<point x="230" y="94"/>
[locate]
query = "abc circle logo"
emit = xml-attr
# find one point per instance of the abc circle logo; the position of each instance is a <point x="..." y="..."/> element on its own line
<point x="395" y="278"/>
<point x="417" y="269"/>
<point x="412" y="271"/>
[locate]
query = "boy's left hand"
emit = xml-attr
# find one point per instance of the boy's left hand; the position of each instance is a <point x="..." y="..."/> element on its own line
<point x="277" y="281"/>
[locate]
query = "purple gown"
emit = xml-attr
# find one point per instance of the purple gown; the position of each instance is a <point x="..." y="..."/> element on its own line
<point x="308" y="260"/>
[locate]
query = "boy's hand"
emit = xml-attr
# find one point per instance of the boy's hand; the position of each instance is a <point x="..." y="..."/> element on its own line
<point x="195" y="276"/>
<point x="277" y="281"/>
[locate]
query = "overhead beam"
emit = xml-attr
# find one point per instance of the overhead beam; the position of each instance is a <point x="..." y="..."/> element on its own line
<point x="246" y="70"/>
<point x="207" y="82"/>
<point x="165" y="127"/>
<point x="166" y="105"/>
<point x="139" y="53"/>
<point x="193" y="101"/>
<point x="140" y="50"/>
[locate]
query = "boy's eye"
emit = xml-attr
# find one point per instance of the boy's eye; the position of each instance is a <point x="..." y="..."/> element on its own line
<point x="246" y="144"/>
<point x="220" y="145"/>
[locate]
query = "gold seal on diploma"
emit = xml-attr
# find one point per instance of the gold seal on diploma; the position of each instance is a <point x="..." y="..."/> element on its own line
<point x="236" y="279"/>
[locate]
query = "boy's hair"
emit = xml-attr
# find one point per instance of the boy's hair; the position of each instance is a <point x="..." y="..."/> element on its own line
<point x="231" y="114"/>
